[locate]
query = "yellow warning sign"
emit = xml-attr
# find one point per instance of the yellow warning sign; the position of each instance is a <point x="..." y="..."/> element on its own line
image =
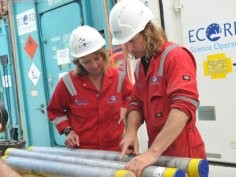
<point x="217" y="66"/>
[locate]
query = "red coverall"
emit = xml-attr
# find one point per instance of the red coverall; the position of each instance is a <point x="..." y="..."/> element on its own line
<point x="93" y="116"/>
<point x="170" y="83"/>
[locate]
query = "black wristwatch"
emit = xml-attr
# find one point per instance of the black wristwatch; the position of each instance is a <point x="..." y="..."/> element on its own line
<point x="67" y="131"/>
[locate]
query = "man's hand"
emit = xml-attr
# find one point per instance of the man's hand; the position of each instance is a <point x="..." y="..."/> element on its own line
<point x="138" y="163"/>
<point x="129" y="145"/>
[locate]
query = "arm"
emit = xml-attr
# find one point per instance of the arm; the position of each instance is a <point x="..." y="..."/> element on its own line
<point x="57" y="113"/>
<point x="126" y="96"/>
<point x="58" y="107"/>
<point x="7" y="171"/>
<point x="130" y="143"/>
<point x="127" y="88"/>
<point x="182" y="93"/>
<point x="176" y="122"/>
<point x="134" y="120"/>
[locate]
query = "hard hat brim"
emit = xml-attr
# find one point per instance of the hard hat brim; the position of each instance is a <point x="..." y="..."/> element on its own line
<point x="88" y="51"/>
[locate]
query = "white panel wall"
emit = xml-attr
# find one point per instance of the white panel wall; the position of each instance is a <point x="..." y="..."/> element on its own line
<point x="207" y="28"/>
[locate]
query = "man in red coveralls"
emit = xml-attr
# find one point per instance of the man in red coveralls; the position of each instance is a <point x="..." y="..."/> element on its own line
<point x="165" y="93"/>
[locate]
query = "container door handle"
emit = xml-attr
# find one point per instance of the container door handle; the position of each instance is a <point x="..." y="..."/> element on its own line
<point x="42" y="108"/>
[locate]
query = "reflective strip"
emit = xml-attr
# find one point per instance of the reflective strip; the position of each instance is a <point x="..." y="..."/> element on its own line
<point x="163" y="57"/>
<point x="194" y="102"/>
<point x="120" y="82"/>
<point x="69" y="84"/>
<point x="160" y="73"/>
<point x="134" y="103"/>
<point x="128" y="97"/>
<point x="59" y="120"/>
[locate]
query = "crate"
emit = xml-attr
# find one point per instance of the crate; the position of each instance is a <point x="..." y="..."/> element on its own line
<point x="20" y="144"/>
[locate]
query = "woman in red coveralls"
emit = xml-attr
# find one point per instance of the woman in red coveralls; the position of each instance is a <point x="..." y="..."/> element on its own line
<point x="165" y="93"/>
<point x="86" y="104"/>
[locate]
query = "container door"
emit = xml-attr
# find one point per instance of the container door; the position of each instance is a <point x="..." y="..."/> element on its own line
<point x="7" y="86"/>
<point x="29" y="80"/>
<point x="57" y="26"/>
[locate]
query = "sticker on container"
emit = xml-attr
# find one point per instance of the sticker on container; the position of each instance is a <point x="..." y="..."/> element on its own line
<point x="63" y="56"/>
<point x="6" y="81"/>
<point x="34" y="74"/>
<point x="217" y="66"/>
<point x="34" y="92"/>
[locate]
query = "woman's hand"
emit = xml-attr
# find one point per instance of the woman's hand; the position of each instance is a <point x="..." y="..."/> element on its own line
<point x="72" y="139"/>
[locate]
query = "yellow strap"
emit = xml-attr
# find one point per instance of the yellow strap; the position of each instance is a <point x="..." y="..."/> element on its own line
<point x="193" y="168"/>
<point x="170" y="172"/>
<point x="124" y="173"/>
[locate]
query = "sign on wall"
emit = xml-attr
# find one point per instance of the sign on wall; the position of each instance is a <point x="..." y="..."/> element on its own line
<point x="26" y="22"/>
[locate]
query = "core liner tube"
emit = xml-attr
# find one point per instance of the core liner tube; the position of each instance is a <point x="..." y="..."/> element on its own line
<point x="192" y="166"/>
<point x="61" y="169"/>
<point x="88" y="153"/>
<point x="149" y="171"/>
<point x="196" y="166"/>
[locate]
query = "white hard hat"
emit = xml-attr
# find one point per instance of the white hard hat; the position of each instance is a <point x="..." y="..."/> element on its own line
<point x="127" y="18"/>
<point x="85" y="40"/>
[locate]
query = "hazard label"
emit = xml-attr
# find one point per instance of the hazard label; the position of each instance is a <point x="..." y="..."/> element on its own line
<point x="34" y="74"/>
<point x="31" y="47"/>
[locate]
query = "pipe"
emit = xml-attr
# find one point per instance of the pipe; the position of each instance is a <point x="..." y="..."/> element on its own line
<point x="61" y="169"/>
<point x="62" y="158"/>
<point x="87" y="153"/>
<point x="191" y="166"/>
<point x="108" y="31"/>
<point x="149" y="171"/>
<point x="14" y="58"/>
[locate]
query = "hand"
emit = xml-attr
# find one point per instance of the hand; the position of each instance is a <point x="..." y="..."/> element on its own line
<point x="138" y="163"/>
<point x="129" y="145"/>
<point x="122" y="115"/>
<point x="122" y="118"/>
<point x="72" y="139"/>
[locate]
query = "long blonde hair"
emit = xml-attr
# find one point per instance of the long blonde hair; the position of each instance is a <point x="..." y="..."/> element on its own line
<point x="80" y="70"/>
<point x="154" y="38"/>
